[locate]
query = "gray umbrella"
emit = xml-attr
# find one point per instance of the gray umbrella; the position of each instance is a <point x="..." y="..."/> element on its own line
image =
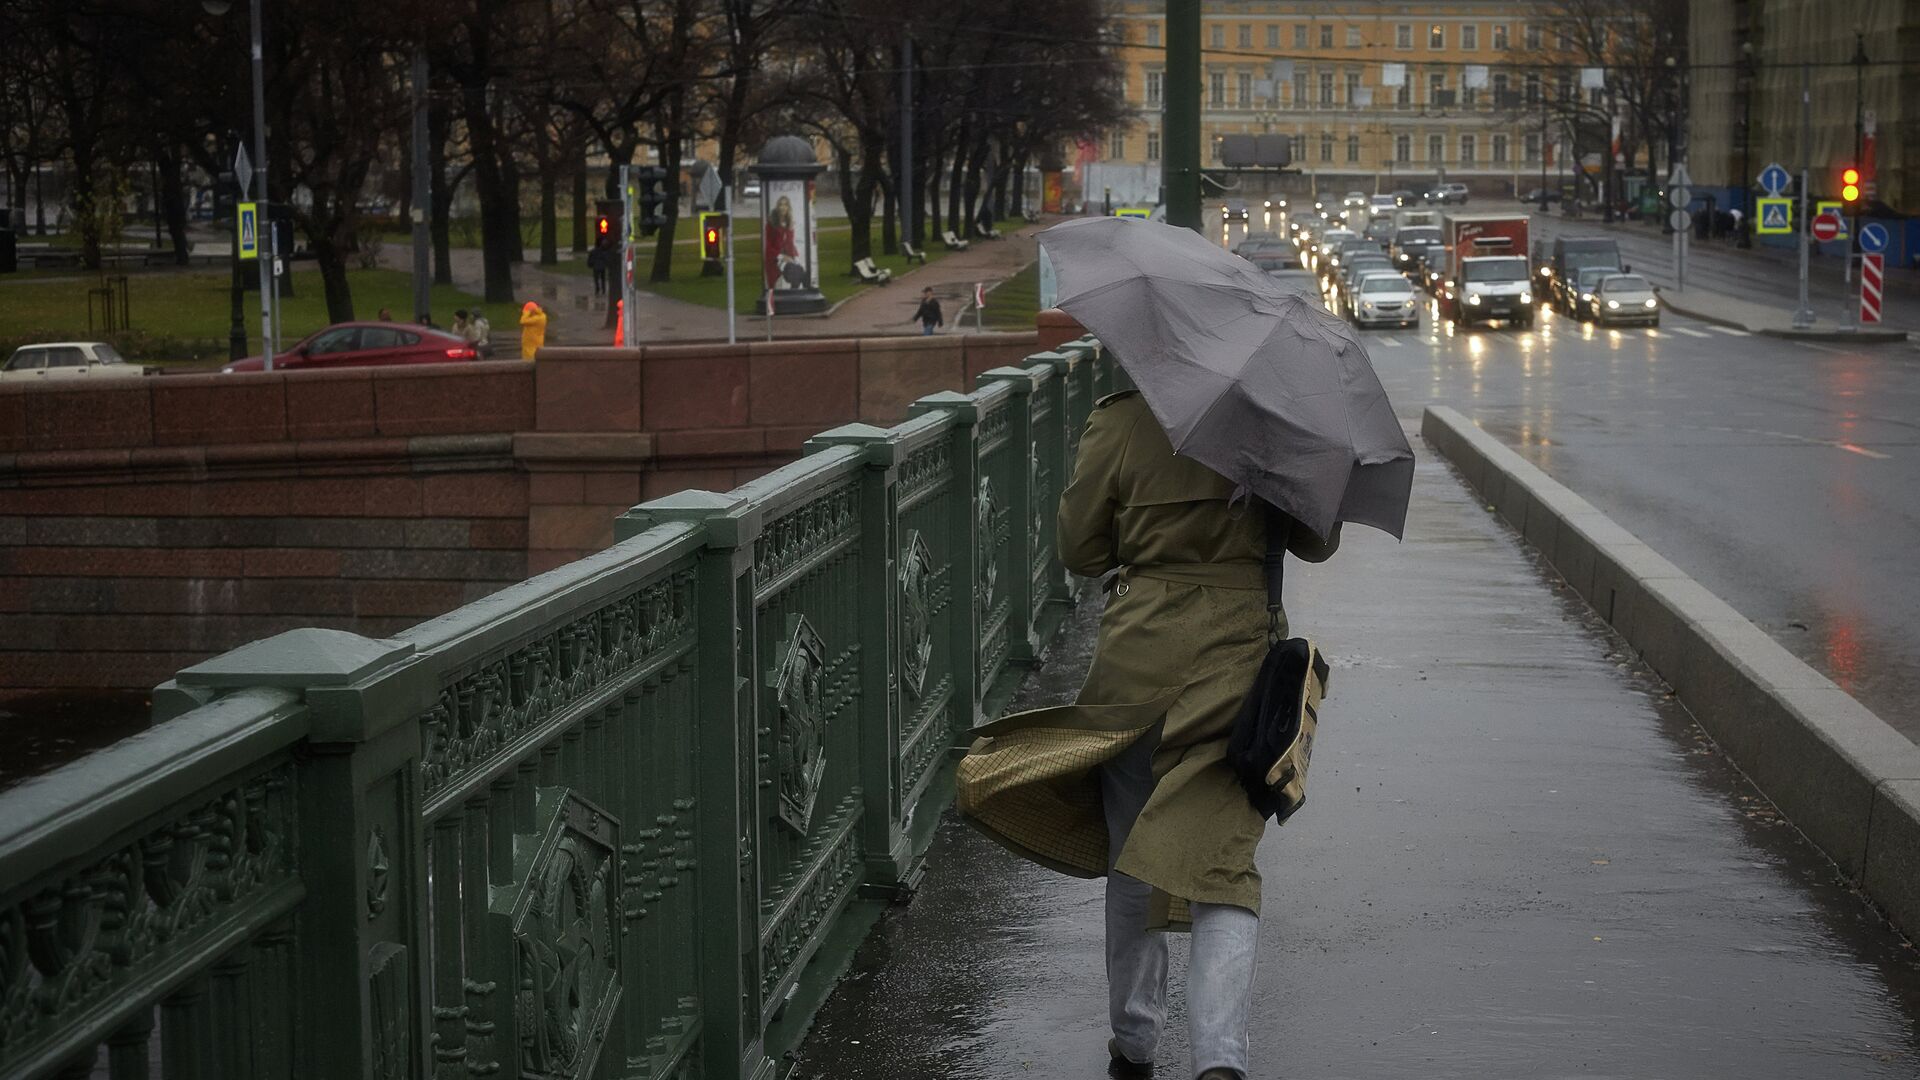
<point x="1266" y="388"/>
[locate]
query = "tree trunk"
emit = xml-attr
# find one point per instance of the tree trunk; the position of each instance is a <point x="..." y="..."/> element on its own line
<point x="889" y="212"/>
<point x="549" y="214"/>
<point x="857" y="197"/>
<point x="499" y="219"/>
<point x="956" y="180"/>
<point x="439" y="223"/>
<point x="580" y="206"/>
<point x="173" y="203"/>
<point x="670" y="160"/>
<point x="510" y="169"/>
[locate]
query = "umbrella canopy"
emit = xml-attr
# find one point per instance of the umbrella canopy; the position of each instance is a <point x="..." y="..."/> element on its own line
<point x="1265" y="388"/>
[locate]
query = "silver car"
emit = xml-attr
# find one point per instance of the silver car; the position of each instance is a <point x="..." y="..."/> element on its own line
<point x="68" y="360"/>
<point x="1383" y="298"/>
<point x="1625" y="298"/>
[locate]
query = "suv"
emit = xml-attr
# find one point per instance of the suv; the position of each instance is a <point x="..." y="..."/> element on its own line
<point x="1455" y="193"/>
<point x="68" y="360"/>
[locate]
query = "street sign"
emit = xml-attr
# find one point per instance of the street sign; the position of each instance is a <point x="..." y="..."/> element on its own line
<point x="1774" y="179"/>
<point x="1839" y="212"/>
<point x="1873" y="237"/>
<point x="1141" y="212"/>
<point x="1680" y="220"/>
<point x="247" y="226"/>
<point x="1776" y="216"/>
<point x="1678" y="197"/>
<point x="1872" y="272"/>
<point x="1826" y="227"/>
<point x="243" y="170"/>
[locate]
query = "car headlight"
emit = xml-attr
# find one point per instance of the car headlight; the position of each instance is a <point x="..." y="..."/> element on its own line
<point x="1586" y="296"/>
<point x="226" y="371"/>
<point x="1526" y="298"/>
<point x="1474" y="299"/>
<point x="1403" y="256"/>
<point x="1651" y="302"/>
<point x="1546" y="271"/>
<point x="1613" y="304"/>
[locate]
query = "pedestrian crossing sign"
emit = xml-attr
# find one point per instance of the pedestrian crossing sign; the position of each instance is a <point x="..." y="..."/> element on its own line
<point x="1839" y="212"/>
<point x="1776" y="216"/>
<point x="247" y="228"/>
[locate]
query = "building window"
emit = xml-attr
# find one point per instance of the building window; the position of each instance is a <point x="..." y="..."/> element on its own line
<point x="1466" y="150"/>
<point x="1300" y="36"/>
<point x="1403" y="94"/>
<point x="1500" y="98"/>
<point x="1353" y="37"/>
<point x="1217" y="89"/>
<point x="1219" y="36"/>
<point x="1403" y="148"/>
<point x="1596" y="96"/>
<point x="1499" y="149"/>
<point x="1246" y="36"/>
<point x="1560" y="39"/>
<point x="1436" y="148"/>
<point x="1153" y="33"/>
<point x="1326" y="35"/>
<point x="1353" y="148"/>
<point x="1436" y="85"/>
<point x="1213" y="150"/>
<point x="1470" y="37"/>
<point x="1533" y="89"/>
<point x="1299" y="89"/>
<point x="1155" y="81"/>
<point x="1245" y="86"/>
<point x="1468" y="95"/>
<point x="1118" y="150"/>
<point x="1153" y="146"/>
<point x="1532" y="38"/>
<point x="1565" y="87"/>
<point x="1530" y="146"/>
<point x="1326" y="88"/>
<point x="1326" y="147"/>
<point x="1436" y="36"/>
<point x="1353" y="87"/>
<point x="1297" y="148"/>
<point x="1273" y="35"/>
<point x="1499" y="37"/>
<point x="1403" y="36"/>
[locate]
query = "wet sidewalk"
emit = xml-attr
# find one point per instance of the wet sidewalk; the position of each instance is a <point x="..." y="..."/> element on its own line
<point x="1519" y="860"/>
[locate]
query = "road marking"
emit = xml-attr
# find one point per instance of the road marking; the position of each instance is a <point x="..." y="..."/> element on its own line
<point x="1689" y="331"/>
<point x="1389" y="342"/>
<point x="1728" y="330"/>
<point x="1851" y="448"/>
<point x="1863" y="451"/>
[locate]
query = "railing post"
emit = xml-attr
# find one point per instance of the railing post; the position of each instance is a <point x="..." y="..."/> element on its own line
<point x="1025" y="645"/>
<point x="1054" y="431"/>
<point x="362" y="927"/>
<point x="733" y="1045"/>
<point x="962" y="540"/>
<point x="886" y="850"/>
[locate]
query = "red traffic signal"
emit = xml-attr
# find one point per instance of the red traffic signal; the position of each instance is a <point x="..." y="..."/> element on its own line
<point x="713" y="236"/>
<point x="603" y="226"/>
<point x="1850" y="184"/>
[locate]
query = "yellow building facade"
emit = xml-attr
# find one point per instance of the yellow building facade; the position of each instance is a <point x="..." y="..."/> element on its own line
<point x="1376" y="96"/>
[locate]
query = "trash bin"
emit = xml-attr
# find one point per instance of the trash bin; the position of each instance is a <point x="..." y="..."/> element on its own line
<point x="9" y="252"/>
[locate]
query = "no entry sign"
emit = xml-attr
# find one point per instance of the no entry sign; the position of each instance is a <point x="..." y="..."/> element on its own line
<point x="1826" y="227"/>
<point x="1872" y="272"/>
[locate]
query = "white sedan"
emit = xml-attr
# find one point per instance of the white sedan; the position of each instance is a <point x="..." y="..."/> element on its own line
<point x="1382" y="298"/>
<point x="68" y="360"/>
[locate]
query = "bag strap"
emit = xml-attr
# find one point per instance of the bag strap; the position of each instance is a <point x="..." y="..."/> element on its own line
<point x="1274" y="562"/>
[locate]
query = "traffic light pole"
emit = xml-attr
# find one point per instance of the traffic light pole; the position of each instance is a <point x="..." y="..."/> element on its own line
<point x="1803" y="316"/>
<point x="726" y="193"/>
<point x="1181" y="124"/>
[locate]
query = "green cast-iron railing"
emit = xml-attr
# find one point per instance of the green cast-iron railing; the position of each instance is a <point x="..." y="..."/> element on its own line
<point x="626" y="819"/>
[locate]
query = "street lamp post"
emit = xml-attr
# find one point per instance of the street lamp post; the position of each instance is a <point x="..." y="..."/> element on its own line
<point x="1747" y="77"/>
<point x="217" y="8"/>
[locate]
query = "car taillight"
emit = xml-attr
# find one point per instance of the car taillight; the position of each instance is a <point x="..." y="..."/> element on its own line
<point x="462" y="353"/>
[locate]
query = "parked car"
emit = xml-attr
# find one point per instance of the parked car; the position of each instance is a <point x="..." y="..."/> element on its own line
<point x="1621" y="298"/>
<point x="750" y="189"/>
<point x="366" y="344"/>
<point x="1455" y="193"/>
<point x="1542" y="195"/>
<point x="69" y="360"/>
<point x="1383" y="298"/>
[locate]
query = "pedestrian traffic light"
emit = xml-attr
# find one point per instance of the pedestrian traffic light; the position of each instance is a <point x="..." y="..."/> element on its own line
<point x="606" y="220"/>
<point x="1850" y="186"/>
<point x="713" y="236"/>
<point x="651" y="196"/>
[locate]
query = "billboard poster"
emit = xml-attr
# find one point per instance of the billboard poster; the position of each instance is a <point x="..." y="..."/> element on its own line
<point x="1052" y="197"/>
<point x="787" y="242"/>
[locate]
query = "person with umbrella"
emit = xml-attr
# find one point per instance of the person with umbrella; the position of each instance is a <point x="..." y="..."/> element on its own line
<point x="1257" y="420"/>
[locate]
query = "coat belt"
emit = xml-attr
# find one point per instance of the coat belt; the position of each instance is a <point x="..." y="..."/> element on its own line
<point x="1222" y="575"/>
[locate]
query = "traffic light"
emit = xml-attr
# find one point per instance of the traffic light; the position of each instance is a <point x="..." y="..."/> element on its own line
<point x="651" y="198"/>
<point x="713" y="236"/>
<point x="606" y="221"/>
<point x="1850" y="187"/>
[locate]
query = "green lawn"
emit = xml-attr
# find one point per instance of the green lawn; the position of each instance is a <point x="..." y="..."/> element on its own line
<point x="836" y="248"/>
<point x="183" y="317"/>
<point x="1016" y="301"/>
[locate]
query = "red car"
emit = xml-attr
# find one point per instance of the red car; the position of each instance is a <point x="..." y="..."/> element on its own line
<point x="366" y="344"/>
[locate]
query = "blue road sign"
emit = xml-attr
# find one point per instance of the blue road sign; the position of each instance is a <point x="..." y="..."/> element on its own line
<point x="1873" y="238"/>
<point x="1776" y="216"/>
<point x="248" y="225"/>
<point x="1774" y="179"/>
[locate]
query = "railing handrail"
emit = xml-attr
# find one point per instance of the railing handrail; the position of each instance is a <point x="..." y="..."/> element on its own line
<point x="74" y="812"/>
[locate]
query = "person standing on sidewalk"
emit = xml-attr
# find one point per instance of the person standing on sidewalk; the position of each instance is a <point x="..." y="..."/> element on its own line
<point x="1145" y="795"/>
<point x="533" y="330"/>
<point x="928" y="314"/>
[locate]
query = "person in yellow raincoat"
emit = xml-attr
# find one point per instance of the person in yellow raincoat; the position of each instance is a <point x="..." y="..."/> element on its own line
<point x="1131" y="781"/>
<point x="533" y="330"/>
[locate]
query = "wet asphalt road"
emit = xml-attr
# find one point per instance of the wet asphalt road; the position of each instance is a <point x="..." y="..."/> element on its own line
<point x="1784" y="476"/>
<point x="1518" y="860"/>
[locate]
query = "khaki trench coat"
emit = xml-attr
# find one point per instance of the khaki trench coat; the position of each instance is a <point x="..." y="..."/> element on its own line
<point x="1182" y="637"/>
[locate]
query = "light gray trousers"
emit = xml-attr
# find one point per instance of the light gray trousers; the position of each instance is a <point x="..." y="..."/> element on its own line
<point x="1220" y="968"/>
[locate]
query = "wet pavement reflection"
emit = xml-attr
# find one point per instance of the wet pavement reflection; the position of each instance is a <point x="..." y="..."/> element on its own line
<point x="44" y="732"/>
<point x="1519" y="859"/>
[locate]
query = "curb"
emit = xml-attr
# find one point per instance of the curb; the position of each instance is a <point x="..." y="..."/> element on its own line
<point x="1860" y="337"/>
<point x="1842" y="775"/>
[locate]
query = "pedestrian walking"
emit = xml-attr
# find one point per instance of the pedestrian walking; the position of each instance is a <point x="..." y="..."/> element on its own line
<point x="928" y="314"/>
<point x="473" y="328"/>
<point x="533" y="330"/>
<point x="1187" y="509"/>
<point x="598" y="261"/>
